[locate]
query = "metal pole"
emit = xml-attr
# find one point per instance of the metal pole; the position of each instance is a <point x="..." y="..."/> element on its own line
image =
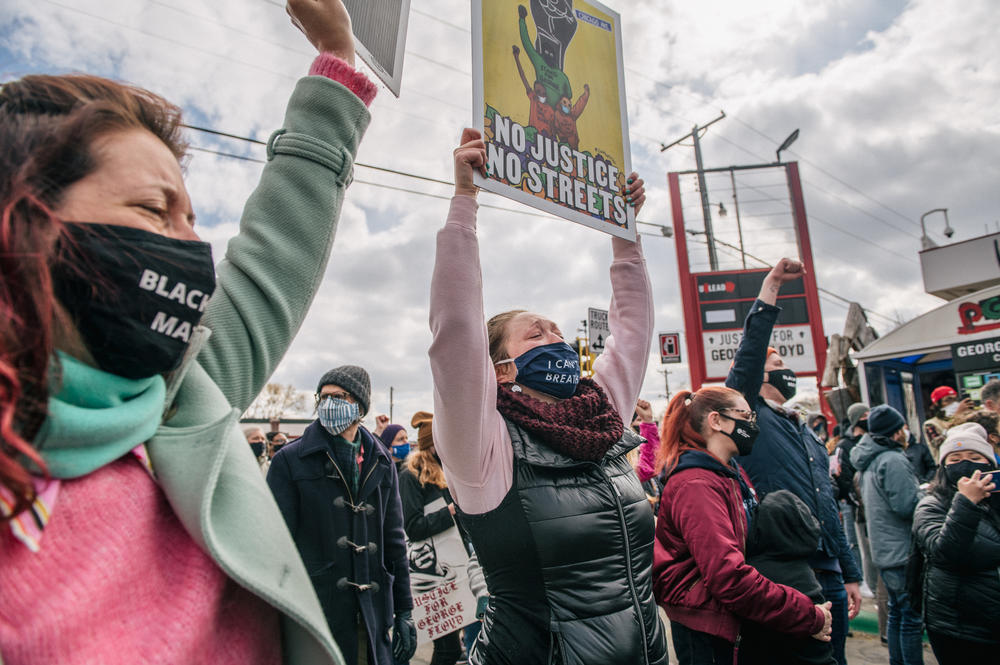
<point x="666" y="381"/>
<point x="706" y="211"/>
<point x="391" y="390"/>
<point x="739" y="227"/>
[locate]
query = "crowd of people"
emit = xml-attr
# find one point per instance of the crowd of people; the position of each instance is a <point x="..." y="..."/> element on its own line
<point x="140" y="526"/>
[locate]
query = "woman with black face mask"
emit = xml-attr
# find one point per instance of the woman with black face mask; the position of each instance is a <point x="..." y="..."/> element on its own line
<point x="700" y="574"/>
<point x="535" y="455"/>
<point x="957" y="529"/>
<point x="135" y="525"/>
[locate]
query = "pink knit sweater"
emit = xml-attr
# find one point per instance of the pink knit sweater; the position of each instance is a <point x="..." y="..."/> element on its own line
<point x="129" y="578"/>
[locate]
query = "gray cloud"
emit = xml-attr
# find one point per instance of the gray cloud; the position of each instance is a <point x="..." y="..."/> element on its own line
<point x="897" y="99"/>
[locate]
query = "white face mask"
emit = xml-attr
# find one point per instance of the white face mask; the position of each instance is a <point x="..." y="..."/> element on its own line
<point x="951" y="409"/>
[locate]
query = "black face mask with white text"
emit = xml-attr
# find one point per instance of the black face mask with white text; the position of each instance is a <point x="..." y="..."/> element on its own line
<point x="134" y="296"/>
<point x="743" y="435"/>
<point x="784" y="380"/>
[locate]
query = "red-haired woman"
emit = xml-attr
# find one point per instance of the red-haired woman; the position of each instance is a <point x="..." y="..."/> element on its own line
<point x="700" y="574"/>
<point x="535" y="456"/>
<point x="136" y="525"/>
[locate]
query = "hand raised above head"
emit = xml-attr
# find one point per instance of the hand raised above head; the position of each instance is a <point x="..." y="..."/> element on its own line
<point x="635" y="191"/>
<point x="470" y="155"/>
<point x="326" y="24"/>
<point x="786" y="270"/>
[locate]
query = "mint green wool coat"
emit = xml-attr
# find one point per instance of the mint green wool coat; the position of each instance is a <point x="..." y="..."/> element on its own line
<point x="266" y="283"/>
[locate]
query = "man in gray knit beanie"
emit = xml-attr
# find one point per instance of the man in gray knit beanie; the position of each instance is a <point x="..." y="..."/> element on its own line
<point x="338" y="491"/>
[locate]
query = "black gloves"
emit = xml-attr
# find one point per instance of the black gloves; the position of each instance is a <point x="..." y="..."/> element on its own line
<point x="404" y="637"/>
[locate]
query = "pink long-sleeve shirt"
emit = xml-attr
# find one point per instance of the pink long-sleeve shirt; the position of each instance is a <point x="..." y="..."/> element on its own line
<point x="470" y="436"/>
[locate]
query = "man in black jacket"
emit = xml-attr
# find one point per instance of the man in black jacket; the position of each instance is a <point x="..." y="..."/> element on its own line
<point x="338" y="491"/>
<point x="787" y="455"/>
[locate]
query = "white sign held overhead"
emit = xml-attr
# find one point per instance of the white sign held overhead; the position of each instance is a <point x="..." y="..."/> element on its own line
<point x="794" y="343"/>
<point x="380" y="36"/>
<point x="597" y="330"/>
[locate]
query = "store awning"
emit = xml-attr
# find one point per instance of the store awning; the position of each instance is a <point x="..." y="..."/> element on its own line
<point x="965" y="319"/>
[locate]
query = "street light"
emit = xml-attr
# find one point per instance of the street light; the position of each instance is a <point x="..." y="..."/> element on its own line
<point x="665" y="230"/>
<point x="925" y="241"/>
<point x="786" y="143"/>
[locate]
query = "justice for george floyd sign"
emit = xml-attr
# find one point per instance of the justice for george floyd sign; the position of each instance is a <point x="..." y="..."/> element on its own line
<point x="549" y="95"/>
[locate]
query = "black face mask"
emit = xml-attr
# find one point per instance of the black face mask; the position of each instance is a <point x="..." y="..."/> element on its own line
<point x="784" y="380"/>
<point x="964" y="469"/>
<point x="276" y="448"/>
<point x="863" y="424"/>
<point x="743" y="435"/>
<point x="257" y="448"/>
<point x="134" y="296"/>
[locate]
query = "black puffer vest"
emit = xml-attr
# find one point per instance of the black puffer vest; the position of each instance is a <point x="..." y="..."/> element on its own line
<point x="568" y="556"/>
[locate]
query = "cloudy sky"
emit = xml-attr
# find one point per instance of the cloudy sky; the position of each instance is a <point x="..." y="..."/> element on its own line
<point x="896" y="103"/>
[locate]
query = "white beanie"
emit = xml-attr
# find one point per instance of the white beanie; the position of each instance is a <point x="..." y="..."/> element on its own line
<point x="967" y="436"/>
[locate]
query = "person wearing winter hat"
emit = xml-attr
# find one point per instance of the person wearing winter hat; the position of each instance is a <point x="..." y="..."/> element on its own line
<point x="957" y="530"/>
<point x="338" y="491"/>
<point x="396" y="439"/>
<point x="944" y="406"/>
<point x="890" y="492"/>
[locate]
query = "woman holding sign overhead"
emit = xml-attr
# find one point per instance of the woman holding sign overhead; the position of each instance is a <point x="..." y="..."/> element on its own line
<point x="535" y="456"/>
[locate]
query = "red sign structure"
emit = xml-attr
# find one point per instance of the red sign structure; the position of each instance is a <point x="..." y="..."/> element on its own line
<point x="716" y="303"/>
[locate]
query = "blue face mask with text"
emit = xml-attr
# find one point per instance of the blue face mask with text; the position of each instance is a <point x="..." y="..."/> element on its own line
<point x="553" y="369"/>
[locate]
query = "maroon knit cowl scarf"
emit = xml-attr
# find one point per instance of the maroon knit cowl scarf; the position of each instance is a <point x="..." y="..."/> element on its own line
<point x="583" y="427"/>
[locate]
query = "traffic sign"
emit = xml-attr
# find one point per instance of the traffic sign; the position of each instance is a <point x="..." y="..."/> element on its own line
<point x="670" y="348"/>
<point x="597" y="330"/>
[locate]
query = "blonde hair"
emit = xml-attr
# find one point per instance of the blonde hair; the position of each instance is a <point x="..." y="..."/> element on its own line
<point x="496" y="330"/>
<point x="426" y="468"/>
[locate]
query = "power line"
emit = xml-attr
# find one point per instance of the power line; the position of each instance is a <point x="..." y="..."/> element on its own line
<point x="830" y="175"/>
<point x="384" y="169"/>
<point x="371" y="183"/>
<point x="463" y="108"/>
<point x="732" y="249"/>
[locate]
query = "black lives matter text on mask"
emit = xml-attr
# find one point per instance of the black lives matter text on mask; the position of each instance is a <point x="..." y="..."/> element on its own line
<point x="179" y="292"/>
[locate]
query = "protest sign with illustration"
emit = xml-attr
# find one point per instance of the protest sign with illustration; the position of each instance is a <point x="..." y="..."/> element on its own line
<point x="439" y="580"/>
<point x="549" y="95"/>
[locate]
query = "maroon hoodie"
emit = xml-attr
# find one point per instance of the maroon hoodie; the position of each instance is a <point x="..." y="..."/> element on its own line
<point x="700" y="576"/>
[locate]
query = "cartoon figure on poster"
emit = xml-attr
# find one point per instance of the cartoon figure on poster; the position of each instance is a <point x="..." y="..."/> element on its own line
<point x="549" y="154"/>
<point x="439" y="579"/>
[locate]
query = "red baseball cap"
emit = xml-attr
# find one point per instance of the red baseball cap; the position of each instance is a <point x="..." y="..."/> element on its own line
<point x="941" y="392"/>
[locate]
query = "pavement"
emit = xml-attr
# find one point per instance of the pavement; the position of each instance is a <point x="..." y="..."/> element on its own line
<point x="864" y="648"/>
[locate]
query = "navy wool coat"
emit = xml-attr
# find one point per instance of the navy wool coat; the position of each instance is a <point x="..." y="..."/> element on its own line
<point x="353" y="546"/>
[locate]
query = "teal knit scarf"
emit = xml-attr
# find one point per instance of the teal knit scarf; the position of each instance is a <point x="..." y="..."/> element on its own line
<point x="96" y="417"/>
